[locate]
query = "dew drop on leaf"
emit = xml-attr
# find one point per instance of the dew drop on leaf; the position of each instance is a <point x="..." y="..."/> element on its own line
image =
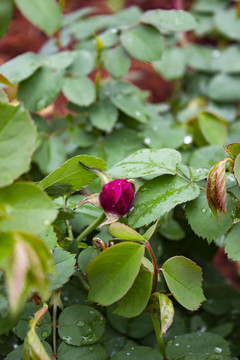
<point x="80" y="323"/>
<point x="204" y="210"/>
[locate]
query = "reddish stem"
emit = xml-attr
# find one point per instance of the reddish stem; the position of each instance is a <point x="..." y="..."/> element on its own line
<point x="155" y="279"/>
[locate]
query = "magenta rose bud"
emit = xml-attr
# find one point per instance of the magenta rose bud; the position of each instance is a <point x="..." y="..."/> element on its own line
<point x="117" y="197"/>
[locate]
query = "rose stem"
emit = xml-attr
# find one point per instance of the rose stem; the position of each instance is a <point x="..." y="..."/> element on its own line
<point x="91" y="228"/>
<point x="148" y="246"/>
<point x="158" y="334"/>
<point x="54" y="323"/>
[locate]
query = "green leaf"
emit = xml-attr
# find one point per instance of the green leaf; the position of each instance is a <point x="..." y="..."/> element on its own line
<point x="147" y="162"/>
<point x="71" y="176"/>
<point x="50" y="154"/>
<point x="236" y="169"/>
<point x="134" y="302"/>
<point x="23" y="202"/>
<point x="59" y="60"/>
<point x="44" y="327"/>
<point x="46" y="14"/>
<point x="21" y="67"/>
<point x="172" y="230"/>
<point x="79" y="91"/>
<point x="49" y="237"/>
<point x="85" y="257"/>
<point x="166" y="312"/>
<point x="228" y="23"/>
<point x="122" y="231"/>
<point x="131" y="106"/>
<point x="204" y="346"/>
<point x="143" y="43"/>
<point x="136" y="328"/>
<point x="64" y="265"/>
<point x="227" y="62"/>
<point x="25" y="267"/>
<point x="129" y="143"/>
<point x="83" y="63"/>
<point x="103" y="115"/>
<point x="80" y="325"/>
<point x="170" y="20"/>
<point x="112" y="273"/>
<point x="184" y="279"/>
<point x="165" y="305"/>
<point x="17" y="140"/>
<point x="96" y="351"/>
<point x="224" y="88"/>
<point x="158" y="196"/>
<point x="207" y="156"/>
<point x="116" y="61"/>
<point x="5" y="16"/>
<point x="213" y="128"/>
<point x="5" y="81"/>
<point x="3" y="97"/>
<point x="233" y="150"/>
<point x="203" y="222"/>
<point x="232" y="247"/>
<point x="161" y="133"/>
<point x="168" y="67"/>
<point x="33" y="347"/>
<point x="138" y="353"/>
<point x="41" y="89"/>
<point x="203" y="58"/>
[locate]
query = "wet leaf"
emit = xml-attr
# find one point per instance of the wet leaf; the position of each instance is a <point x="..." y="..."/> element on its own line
<point x="147" y="162"/>
<point x="158" y="196"/>
<point x="202" y="346"/>
<point x="80" y="325"/>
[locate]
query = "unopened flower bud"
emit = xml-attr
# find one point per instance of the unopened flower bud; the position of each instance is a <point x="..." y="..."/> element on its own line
<point x="117" y="197"/>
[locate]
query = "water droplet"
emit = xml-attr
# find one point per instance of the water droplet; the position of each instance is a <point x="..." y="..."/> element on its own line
<point x="91" y="312"/>
<point x="132" y="348"/>
<point x="15" y="346"/>
<point x="188" y="346"/>
<point x="38" y="324"/>
<point x="177" y="344"/>
<point x="217" y="350"/>
<point x="44" y="334"/>
<point x="46" y="222"/>
<point x="90" y="348"/>
<point x="80" y="323"/>
<point x="128" y="354"/>
<point x="114" y="30"/>
<point x="65" y="298"/>
<point x="188" y="139"/>
<point x="204" y="210"/>
<point x="147" y="141"/>
<point x="137" y="113"/>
